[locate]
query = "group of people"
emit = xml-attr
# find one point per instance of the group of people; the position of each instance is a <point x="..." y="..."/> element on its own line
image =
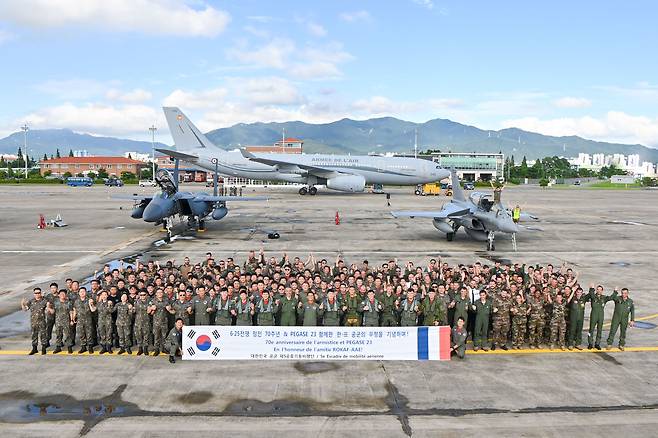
<point x="146" y="304"/>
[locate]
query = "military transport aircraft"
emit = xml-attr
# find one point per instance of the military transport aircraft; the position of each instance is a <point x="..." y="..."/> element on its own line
<point x="479" y="214"/>
<point x="345" y="173"/>
<point x="161" y="208"/>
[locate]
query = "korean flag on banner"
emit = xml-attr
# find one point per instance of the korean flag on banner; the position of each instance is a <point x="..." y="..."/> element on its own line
<point x="201" y="342"/>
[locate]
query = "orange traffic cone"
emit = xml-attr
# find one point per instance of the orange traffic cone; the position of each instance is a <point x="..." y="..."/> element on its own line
<point x="337" y="219"/>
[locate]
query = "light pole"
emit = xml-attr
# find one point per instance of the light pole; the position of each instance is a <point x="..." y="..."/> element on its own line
<point x="153" y="129"/>
<point x="25" y="128"/>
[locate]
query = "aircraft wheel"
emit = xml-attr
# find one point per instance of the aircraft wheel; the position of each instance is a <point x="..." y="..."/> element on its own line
<point x="417" y="192"/>
<point x="273" y="236"/>
<point x="303" y="191"/>
<point x="313" y="191"/>
<point x="450" y="236"/>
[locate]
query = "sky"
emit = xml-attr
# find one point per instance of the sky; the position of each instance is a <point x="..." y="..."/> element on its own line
<point x="586" y="68"/>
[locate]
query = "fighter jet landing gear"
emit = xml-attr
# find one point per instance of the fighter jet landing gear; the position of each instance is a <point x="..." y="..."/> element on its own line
<point x="168" y="225"/>
<point x="310" y="190"/>
<point x="450" y="236"/>
<point x="490" y="241"/>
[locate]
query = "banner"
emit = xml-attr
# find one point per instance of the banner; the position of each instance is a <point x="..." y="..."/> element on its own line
<point x="211" y="342"/>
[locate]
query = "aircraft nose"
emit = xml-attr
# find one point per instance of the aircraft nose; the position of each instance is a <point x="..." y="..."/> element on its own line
<point x="509" y="227"/>
<point x="153" y="213"/>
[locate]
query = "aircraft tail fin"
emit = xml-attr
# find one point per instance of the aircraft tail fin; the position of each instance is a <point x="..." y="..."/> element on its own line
<point x="186" y="136"/>
<point x="457" y="190"/>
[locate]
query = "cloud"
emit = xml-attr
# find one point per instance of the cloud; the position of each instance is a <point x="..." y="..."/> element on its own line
<point x="272" y="55"/>
<point x="6" y="36"/>
<point x="260" y="18"/>
<point x="356" y="16"/>
<point x="316" y="29"/>
<point x="312" y="62"/>
<point x="96" y="118"/>
<point x="135" y="96"/>
<point x="572" y="102"/>
<point x="75" y="88"/>
<point x="615" y="126"/>
<point x="157" y="17"/>
<point x="270" y="91"/>
<point x="383" y="106"/>
<point x="641" y="90"/>
<point x="196" y="99"/>
<point x="428" y="4"/>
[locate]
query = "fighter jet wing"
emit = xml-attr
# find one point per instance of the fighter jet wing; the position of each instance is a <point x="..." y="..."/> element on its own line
<point x="208" y="198"/>
<point x="283" y="165"/>
<point x="448" y="211"/>
<point x="132" y="197"/>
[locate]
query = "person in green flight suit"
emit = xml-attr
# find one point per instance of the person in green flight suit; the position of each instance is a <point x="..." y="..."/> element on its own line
<point x="624" y="308"/>
<point x="288" y="307"/>
<point x="483" y="308"/>
<point x="576" y="319"/>
<point x="597" y="301"/>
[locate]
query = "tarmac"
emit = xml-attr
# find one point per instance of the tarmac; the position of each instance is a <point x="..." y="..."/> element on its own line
<point x="608" y="236"/>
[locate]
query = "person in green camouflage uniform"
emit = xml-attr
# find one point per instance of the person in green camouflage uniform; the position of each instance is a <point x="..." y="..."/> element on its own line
<point x="461" y="305"/>
<point x="558" y="321"/>
<point x="142" y="327"/>
<point x="351" y="308"/>
<point x="124" y="312"/>
<point x="104" y="309"/>
<point x="37" y="307"/>
<point x="370" y="308"/>
<point x="624" y="309"/>
<point x="501" y="320"/>
<point x="576" y="319"/>
<point x="519" y="312"/>
<point x="433" y="309"/>
<point x="62" y="314"/>
<point x="181" y="308"/>
<point x="536" y="319"/>
<point x="159" y="308"/>
<point x="82" y="316"/>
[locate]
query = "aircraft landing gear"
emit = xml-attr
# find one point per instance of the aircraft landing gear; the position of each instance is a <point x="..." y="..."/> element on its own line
<point x="202" y="226"/>
<point x="490" y="241"/>
<point x="169" y="224"/>
<point x="450" y="236"/>
<point x="312" y="190"/>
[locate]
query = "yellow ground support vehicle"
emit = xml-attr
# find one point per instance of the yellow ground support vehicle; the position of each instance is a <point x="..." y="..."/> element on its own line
<point x="433" y="189"/>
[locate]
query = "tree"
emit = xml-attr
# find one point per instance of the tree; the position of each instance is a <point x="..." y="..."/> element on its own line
<point x="48" y="172"/>
<point x="523" y="170"/>
<point x="102" y="173"/>
<point x="91" y="175"/>
<point x="45" y="157"/>
<point x="127" y="176"/>
<point x="67" y="175"/>
<point x="3" y="163"/>
<point x="57" y="155"/>
<point x="70" y="152"/>
<point x="129" y="157"/>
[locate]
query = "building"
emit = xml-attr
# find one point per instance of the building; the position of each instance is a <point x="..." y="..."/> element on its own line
<point x="471" y="166"/>
<point x="84" y="165"/>
<point x="285" y="146"/>
<point x="138" y="156"/>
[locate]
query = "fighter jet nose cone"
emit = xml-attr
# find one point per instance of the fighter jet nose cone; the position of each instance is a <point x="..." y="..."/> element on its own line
<point x="153" y="213"/>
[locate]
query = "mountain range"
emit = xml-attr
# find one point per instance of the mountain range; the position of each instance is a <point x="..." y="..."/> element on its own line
<point x="347" y="136"/>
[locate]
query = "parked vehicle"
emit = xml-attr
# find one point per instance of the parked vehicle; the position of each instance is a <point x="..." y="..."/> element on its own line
<point x="113" y="182"/>
<point x="469" y="186"/>
<point x="146" y="183"/>
<point x="79" y="181"/>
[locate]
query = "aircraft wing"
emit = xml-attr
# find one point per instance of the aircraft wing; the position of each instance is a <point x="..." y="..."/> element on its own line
<point x="283" y="165"/>
<point x="179" y="155"/>
<point x="447" y="212"/>
<point x="132" y="197"/>
<point x="208" y="198"/>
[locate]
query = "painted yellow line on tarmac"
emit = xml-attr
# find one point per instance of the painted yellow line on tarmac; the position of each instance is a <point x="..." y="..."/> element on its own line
<point x="557" y="350"/>
<point x="64" y="353"/>
<point x="643" y="318"/>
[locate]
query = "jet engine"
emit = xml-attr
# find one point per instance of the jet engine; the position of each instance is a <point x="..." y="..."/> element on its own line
<point x="347" y="183"/>
<point x="138" y="211"/>
<point x="219" y="213"/>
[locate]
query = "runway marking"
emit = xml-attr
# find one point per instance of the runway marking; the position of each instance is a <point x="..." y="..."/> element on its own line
<point x="39" y="251"/>
<point x="75" y="353"/>
<point x="498" y="351"/>
<point x="644" y="318"/>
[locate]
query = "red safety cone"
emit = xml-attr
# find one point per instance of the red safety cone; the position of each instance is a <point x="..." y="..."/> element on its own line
<point x="337" y="219"/>
<point x="42" y="222"/>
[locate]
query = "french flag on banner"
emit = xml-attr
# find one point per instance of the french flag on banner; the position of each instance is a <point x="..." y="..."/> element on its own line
<point x="434" y="343"/>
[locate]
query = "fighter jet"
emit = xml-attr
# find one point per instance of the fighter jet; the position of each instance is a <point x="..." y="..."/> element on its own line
<point x="162" y="208"/>
<point x="480" y="215"/>
<point x="344" y="173"/>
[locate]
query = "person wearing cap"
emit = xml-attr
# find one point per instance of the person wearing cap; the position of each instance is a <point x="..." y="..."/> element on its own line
<point x="82" y="316"/>
<point x="37" y="307"/>
<point x="142" y="327"/>
<point x="62" y="311"/>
